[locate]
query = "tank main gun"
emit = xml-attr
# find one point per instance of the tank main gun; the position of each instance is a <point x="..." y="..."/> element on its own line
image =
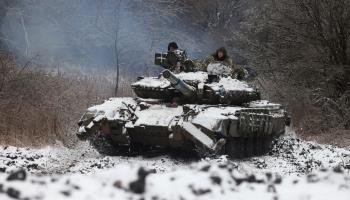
<point x="178" y="84"/>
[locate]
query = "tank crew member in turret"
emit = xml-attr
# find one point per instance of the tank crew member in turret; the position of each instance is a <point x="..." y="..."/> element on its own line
<point x="175" y="59"/>
<point x="220" y="55"/>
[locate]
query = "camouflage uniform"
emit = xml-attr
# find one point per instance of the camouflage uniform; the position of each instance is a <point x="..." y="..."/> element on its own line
<point x="237" y="72"/>
<point x="203" y="63"/>
<point x="175" y="61"/>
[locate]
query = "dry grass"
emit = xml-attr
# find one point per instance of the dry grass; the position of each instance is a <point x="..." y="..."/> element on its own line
<point x="37" y="108"/>
<point x="316" y="115"/>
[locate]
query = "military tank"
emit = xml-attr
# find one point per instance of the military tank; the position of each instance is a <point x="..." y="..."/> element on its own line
<point x="208" y="113"/>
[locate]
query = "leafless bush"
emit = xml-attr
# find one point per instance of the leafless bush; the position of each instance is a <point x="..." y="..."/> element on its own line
<point x="300" y="49"/>
<point x="38" y="107"/>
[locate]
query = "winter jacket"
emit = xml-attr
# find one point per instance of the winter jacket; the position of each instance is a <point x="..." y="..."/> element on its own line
<point x="202" y="65"/>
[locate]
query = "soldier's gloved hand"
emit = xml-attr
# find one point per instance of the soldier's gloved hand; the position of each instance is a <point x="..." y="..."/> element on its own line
<point x="178" y="68"/>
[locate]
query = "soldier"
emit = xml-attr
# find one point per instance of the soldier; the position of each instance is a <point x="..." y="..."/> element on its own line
<point x="175" y="59"/>
<point x="220" y="55"/>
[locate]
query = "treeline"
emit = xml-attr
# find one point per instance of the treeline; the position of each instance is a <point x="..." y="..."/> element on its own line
<point x="38" y="107"/>
<point x="301" y="50"/>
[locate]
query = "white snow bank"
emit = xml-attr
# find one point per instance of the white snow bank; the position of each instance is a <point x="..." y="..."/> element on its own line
<point x="201" y="181"/>
<point x="296" y="168"/>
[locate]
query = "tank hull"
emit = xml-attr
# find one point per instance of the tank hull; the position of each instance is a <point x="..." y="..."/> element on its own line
<point x="128" y="122"/>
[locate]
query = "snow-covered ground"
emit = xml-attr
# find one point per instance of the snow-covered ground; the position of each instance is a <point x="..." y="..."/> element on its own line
<point x="294" y="169"/>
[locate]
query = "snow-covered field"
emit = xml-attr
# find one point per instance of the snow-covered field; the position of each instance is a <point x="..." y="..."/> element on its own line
<point x="294" y="169"/>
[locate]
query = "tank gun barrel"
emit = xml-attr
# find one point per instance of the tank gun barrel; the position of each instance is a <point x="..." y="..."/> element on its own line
<point x="179" y="84"/>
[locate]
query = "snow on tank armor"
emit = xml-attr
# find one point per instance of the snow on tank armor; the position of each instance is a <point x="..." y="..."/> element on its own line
<point x="199" y="111"/>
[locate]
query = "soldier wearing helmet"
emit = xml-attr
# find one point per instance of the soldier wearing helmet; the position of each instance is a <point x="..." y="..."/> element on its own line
<point x="175" y="59"/>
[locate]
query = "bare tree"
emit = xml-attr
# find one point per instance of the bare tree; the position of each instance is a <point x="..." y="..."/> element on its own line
<point x="301" y="50"/>
<point x="116" y="42"/>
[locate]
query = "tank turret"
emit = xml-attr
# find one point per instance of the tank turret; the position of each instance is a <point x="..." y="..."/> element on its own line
<point x="195" y="87"/>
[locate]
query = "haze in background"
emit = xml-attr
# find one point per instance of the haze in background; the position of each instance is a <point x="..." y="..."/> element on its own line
<point x="93" y="34"/>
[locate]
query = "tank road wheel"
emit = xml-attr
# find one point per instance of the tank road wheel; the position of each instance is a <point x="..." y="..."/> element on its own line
<point x="257" y="145"/>
<point x="104" y="145"/>
<point x="233" y="147"/>
<point x="247" y="147"/>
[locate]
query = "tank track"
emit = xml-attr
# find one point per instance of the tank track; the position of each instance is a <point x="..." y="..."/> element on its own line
<point x="257" y="130"/>
<point x="105" y="146"/>
<point x="248" y="147"/>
